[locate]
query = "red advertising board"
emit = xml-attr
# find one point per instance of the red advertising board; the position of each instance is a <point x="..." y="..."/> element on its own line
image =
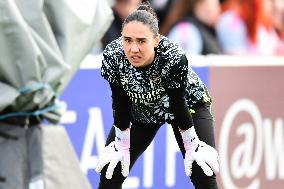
<point x="249" y="118"/>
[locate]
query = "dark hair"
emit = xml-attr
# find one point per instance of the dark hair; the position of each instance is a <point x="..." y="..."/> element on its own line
<point x="145" y="14"/>
<point x="191" y="6"/>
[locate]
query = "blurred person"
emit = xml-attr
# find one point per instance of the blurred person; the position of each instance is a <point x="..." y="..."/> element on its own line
<point x="278" y="17"/>
<point x="151" y="84"/>
<point x="176" y="11"/>
<point x="174" y="14"/>
<point x="121" y="9"/>
<point x="162" y="9"/>
<point x="245" y="27"/>
<point x="278" y="22"/>
<point x="196" y="31"/>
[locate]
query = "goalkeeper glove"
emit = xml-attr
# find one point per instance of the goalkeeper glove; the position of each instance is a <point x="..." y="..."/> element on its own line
<point x="204" y="155"/>
<point x="116" y="151"/>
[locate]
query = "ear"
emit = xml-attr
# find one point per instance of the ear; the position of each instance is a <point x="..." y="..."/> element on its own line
<point x="157" y="40"/>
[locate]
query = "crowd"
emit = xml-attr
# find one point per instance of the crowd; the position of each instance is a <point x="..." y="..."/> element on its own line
<point x="235" y="27"/>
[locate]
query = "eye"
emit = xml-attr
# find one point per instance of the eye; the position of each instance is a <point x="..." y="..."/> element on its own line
<point x="127" y="40"/>
<point x="141" y="41"/>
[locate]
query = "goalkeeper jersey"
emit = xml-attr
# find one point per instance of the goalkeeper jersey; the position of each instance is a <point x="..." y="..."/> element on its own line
<point x="147" y="87"/>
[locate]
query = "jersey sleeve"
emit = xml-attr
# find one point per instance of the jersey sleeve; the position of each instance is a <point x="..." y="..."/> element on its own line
<point x="182" y="116"/>
<point x="121" y="106"/>
<point x="176" y="91"/>
<point x="109" y="69"/>
<point x="177" y="74"/>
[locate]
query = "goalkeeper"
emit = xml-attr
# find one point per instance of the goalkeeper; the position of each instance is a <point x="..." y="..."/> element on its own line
<point x="151" y="84"/>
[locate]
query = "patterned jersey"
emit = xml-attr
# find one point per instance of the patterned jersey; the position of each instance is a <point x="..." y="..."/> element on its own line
<point x="146" y="88"/>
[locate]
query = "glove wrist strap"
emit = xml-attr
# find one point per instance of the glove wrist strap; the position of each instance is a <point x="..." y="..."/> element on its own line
<point x="190" y="138"/>
<point x="122" y="138"/>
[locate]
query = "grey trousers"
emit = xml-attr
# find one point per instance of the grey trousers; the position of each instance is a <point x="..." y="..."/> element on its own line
<point x="21" y="162"/>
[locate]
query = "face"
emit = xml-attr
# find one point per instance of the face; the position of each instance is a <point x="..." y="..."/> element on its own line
<point x="278" y="14"/>
<point x="208" y="11"/>
<point x="139" y="43"/>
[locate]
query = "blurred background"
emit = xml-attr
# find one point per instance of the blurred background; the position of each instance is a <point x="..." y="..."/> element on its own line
<point x="237" y="48"/>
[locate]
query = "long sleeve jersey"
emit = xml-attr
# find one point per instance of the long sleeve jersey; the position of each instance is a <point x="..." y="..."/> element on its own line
<point x="160" y="93"/>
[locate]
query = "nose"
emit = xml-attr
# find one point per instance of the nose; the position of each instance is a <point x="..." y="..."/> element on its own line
<point x="134" y="48"/>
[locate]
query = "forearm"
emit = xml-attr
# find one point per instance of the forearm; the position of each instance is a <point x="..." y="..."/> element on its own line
<point x="121" y="107"/>
<point x="182" y="116"/>
<point x="118" y="149"/>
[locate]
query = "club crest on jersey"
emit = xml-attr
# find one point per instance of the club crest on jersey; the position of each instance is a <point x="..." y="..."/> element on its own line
<point x="155" y="78"/>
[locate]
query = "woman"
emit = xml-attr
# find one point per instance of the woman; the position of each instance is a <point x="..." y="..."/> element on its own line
<point x="152" y="84"/>
<point x="195" y="32"/>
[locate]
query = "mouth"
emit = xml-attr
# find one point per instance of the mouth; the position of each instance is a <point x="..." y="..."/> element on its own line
<point x="136" y="59"/>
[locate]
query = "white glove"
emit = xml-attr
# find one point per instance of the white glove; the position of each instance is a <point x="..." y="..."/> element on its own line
<point x="116" y="151"/>
<point x="204" y="155"/>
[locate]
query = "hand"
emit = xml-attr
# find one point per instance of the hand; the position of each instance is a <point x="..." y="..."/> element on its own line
<point x="116" y="151"/>
<point x="204" y="155"/>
